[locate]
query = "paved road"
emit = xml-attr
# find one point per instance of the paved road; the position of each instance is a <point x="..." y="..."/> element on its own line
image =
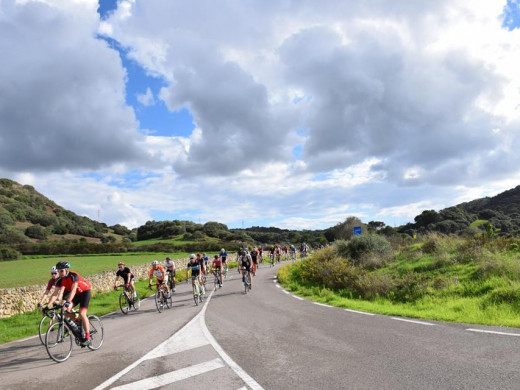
<point x="270" y="339"/>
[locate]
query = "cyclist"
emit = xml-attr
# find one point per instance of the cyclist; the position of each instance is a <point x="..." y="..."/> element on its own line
<point x="196" y="272"/>
<point x="278" y="253"/>
<point x="244" y="265"/>
<point x="260" y="253"/>
<point x="254" y="258"/>
<point x="161" y="277"/>
<point x="200" y="259"/>
<point x="50" y="285"/>
<point x="170" y="270"/>
<point x="127" y="276"/>
<point x="206" y="260"/>
<point x="79" y="292"/>
<point x="293" y="252"/>
<point x="223" y="257"/>
<point x="217" y="268"/>
<point x="285" y="251"/>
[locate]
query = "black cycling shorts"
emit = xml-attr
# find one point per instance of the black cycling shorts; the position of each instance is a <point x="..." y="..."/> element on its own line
<point x="83" y="299"/>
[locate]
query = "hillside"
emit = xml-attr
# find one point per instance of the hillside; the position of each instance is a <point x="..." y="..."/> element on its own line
<point x="27" y="216"/>
<point x="500" y="213"/>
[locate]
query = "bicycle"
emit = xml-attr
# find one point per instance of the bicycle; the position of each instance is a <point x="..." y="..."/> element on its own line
<point x="162" y="299"/>
<point x="58" y="338"/>
<point x="127" y="301"/>
<point x="246" y="281"/>
<point x="225" y="270"/>
<point x="197" y="291"/>
<point x="171" y="281"/>
<point x="272" y="261"/>
<point x="49" y="318"/>
<point x="216" y="281"/>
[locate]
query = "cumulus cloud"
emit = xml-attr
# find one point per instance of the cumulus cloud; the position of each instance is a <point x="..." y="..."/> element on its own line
<point x="304" y="111"/>
<point x="62" y="103"/>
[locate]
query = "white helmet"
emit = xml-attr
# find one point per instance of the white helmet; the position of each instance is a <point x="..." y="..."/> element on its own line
<point x="155" y="262"/>
<point x="222" y="250"/>
<point x="192" y="256"/>
<point x="53" y="270"/>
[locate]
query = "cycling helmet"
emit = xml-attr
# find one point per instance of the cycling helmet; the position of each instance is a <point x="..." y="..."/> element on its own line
<point x="62" y="265"/>
<point x="192" y="256"/>
<point x="53" y="270"/>
<point x="155" y="262"/>
<point x="120" y="263"/>
<point x="168" y="259"/>
<point x="216" y="256"/>
<point x="222" y="250"/>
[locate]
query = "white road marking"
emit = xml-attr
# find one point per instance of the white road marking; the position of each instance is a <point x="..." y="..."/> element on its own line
<point x="413" y="321"/>
<point x="278" y="286"/>
<point x="297" y="297"/>
<point x="170" y="345"/>
<point x="285" y="291"/>
<point x="360" y="312"/>
<point x="493" y="332"/>
<point x="172" y="377"/>
<point x="230" y="362"/>
<point x="322" y="304"/>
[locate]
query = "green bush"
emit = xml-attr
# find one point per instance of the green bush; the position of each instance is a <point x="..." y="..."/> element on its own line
<point x="36" y="231"/>
<point x="364" y="250"/>
<point x="7" y="253"/>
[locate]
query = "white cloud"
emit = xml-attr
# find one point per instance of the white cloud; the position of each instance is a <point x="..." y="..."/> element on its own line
<point x="392" y="108"/>
<point x="146" y="99"/>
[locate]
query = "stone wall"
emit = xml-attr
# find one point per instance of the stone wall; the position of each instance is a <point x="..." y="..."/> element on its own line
<point x="25" y="299"/>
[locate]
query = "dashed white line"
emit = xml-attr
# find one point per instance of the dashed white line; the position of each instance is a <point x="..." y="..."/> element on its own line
<point x="493" y="332"/>
<point x="322" y="304"/>
<point x="413" y="321"/>
<point x="360" y="312"/>
<point x="172" y="377"/>
<point x="286" y="292"/>
<point x="278" y="286"/>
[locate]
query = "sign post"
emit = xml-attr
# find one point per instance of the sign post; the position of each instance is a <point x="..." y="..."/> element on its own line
<point x="357" y="230"/>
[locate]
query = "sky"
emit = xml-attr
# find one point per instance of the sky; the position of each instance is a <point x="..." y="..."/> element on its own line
<point x="294" y="114"/>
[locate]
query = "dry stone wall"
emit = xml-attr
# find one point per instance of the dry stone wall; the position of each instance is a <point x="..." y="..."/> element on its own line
<point x="18" y="300"/>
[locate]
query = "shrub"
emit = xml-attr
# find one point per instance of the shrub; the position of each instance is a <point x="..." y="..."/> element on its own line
<point x="7" y="253"/>
<point x="364" y="247"/>
<point x="36" y="231"/>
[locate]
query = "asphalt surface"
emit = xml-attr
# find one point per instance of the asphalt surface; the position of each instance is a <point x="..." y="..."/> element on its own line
<point x="270" y="339"/>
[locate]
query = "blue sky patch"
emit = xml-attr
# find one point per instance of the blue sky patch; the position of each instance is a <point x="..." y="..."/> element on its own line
<point x="511" y="14"/>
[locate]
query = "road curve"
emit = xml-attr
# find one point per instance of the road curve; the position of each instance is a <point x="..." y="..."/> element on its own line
<point x="277" y="341"/>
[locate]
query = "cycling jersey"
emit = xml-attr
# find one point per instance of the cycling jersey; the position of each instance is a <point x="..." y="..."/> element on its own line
<point x="245" y="261"/>
<point x="50" y="284"/>
<point x="254" y="256"/>
<point x="158" y="273"/>
<point x="70" y="279"/>
<point x="217" y="263"/>
<point x="169" y="266"/>
<point x="195" y="268"/>
<point x="224" y="256"/>
<point x="124" y="274"/>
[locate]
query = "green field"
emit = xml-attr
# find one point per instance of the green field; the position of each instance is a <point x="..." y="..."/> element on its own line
<point x="177" y="240"/>
<point x="31" y="271"/>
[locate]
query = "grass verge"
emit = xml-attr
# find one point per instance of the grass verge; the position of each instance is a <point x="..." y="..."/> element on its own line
<point x="475" y="302"/>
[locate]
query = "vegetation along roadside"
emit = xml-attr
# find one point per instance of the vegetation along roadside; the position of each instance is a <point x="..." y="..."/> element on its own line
<point x="461" y="279"/>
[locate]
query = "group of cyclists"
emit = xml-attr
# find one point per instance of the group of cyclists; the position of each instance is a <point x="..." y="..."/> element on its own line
<point x="71" y="289"/>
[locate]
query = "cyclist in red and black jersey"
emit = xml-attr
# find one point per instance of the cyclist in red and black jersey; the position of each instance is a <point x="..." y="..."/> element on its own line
<point x="79" y="292"/>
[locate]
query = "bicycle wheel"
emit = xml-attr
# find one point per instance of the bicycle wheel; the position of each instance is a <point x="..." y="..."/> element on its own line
<point x="215" y="282"/>
<point x="159" y="301"/>
<point x="136" y="302"/>
<point x="58" y="342"/>
<point x="97" y="333"/>
<point x="124" y="304"/>
<point x="45" y="324"/>
<point x="196" y="294"/>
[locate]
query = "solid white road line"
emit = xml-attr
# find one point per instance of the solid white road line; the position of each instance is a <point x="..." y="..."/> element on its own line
<point x="230" y="362"/>
<point x="171" y="377"/>
<point x="360" y="312"/>
<point x="493" y="332"/>
<point x="297" y="297"/>
<point x="322" y="304"/>
<point x="412" y="321"/>
<point x="285" y="291"/>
